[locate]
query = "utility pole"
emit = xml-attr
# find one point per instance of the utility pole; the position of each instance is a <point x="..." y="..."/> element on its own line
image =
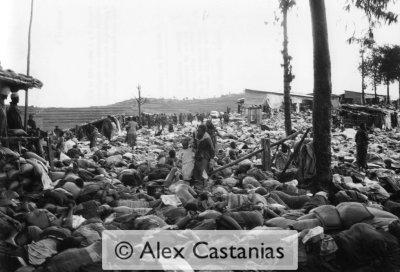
<point x="28" y="64"/>
<point x="362" y="76"/>
<point x="140" y="101"/>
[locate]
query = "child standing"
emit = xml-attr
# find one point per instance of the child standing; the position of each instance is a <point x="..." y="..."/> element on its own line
<point x="186" y="157"/>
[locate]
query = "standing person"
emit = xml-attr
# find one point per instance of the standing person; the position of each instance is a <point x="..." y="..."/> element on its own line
<point x="170" y="126"/>
<point x="60" y="144"/>
<point x="149" y="121"/>
<point x="91" y="134"/>
<point x="184" y="118"/>
<point x="157" y="122"/>
<point x="362" y="146"/>
<point x="107" y="128"/>
<point x="58" y="131"/>
<point x="201" y="118"/>
<point x="226" y="118"/>
<point x="186" y="160"/>
<point x="131" y="131"/>
<point x="171" y="159"/>
<point x="213" y="132"/>
<point x="181" y="118"/>
<point x="31" y="122"/>
<point x="204" y="153"/>
<point x="4" y="92"/>
<point x="190" y="117"/>
<point x="282" y="156"/>
<point x="164" y="121"/>
<point x="14" y="120"/>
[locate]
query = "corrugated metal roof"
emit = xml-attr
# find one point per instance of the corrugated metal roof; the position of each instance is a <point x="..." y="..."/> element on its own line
<point x="255" y="97"/>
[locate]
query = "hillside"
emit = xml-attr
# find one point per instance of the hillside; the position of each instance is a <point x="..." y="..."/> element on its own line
<point x="47" y="118"/>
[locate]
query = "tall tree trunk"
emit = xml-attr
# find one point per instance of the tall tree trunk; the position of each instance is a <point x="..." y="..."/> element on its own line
<point x="376" y="95"/>
<point x="362" y="78"/>
<point x="387" y="89"/>
<point x="398" y="102"/>
<point x="322" y="93"/>
<point x="286" y="75"/>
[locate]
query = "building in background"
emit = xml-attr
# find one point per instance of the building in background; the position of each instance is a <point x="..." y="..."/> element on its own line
<point x="351" y="97"/>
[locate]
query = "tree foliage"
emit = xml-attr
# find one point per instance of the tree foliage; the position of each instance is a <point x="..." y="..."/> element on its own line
<point x="389" y="57"/>
<point x="372" y="63"/>
<point x="375" y="10"/>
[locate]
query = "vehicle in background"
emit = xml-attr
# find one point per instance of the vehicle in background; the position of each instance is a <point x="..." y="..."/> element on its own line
<point x="214" y="114"/>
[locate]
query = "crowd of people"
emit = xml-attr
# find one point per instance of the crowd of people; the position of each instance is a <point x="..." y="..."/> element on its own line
<point x="161" y="121"/>
<point x="147" y="177"/>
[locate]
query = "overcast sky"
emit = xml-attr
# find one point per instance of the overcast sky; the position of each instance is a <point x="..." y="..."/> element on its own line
<point x="95" y="52"/>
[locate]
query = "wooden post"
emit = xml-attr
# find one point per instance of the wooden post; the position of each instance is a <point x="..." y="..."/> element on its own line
<point x="266" y="155"/>
<point x="26" y="111"/>
<point x="258" y="116"/>
<point x="236" y="161"/>
<point x="253" y="153"/>
<point x="295" y="152"/>
<point x="19" y="151"/>
<point x="28" y="64"/>
<point x="267" y="152"/>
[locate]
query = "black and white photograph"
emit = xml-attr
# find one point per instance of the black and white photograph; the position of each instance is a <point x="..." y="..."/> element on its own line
<point x="199" y="135"/>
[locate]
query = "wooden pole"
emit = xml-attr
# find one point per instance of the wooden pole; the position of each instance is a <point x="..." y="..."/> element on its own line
<point x="28" y="64"/>
<point x="26" y="110"/>
<point x="267" y="152"/>
<point x="139" y="101"/>
<point x="295" y="152"/>
<point x="266" y="157"/>
<point x="290" y="137"/>
<point x="16" y="139"/>
<point x="237" y="161"/>
<point x="255" y="153"/>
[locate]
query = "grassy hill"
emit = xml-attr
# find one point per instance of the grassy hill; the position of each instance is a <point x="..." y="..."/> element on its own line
<point x="47" y="118"/>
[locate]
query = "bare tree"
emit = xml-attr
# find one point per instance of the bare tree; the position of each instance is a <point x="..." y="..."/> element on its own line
<point x="322" y="92"/>
<point x="284" y="6"/>
<point x="140" y="101"/>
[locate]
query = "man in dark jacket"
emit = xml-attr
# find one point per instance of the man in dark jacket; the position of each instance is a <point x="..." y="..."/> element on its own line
<point x="204" y="153"/>
<point x="13" y="113"/>
<point x="4" y="92"/>
<point x="362" y="146"/>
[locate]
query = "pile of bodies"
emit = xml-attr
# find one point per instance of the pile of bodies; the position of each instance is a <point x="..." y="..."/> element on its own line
<point x="52" y="220"/>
